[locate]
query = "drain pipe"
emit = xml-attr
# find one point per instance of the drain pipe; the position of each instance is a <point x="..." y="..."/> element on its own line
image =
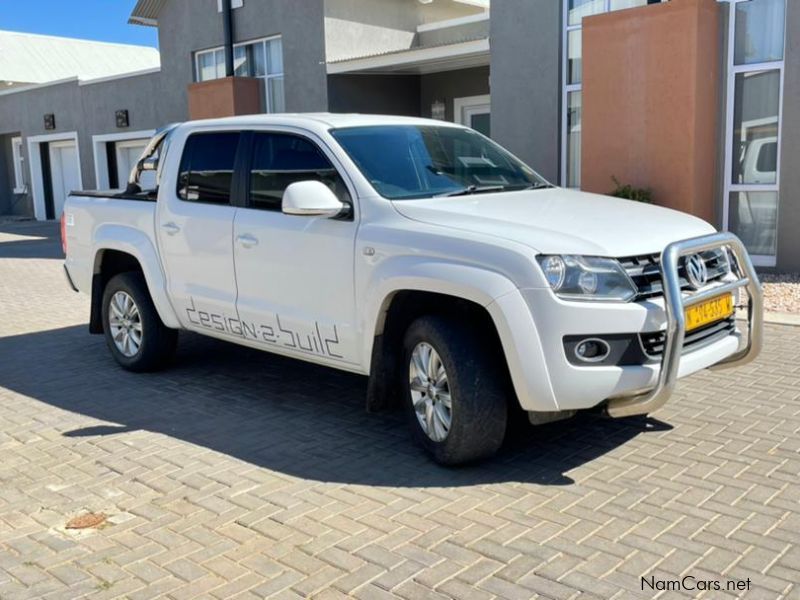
<point x="227" y="23"/>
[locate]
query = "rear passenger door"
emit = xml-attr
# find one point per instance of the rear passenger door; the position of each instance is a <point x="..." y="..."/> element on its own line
<point x="294" y="274"/>
<point x="195" y="229"/>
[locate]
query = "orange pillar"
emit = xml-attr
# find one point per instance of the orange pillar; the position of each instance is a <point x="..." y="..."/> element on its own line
<point x="651" y="102"/>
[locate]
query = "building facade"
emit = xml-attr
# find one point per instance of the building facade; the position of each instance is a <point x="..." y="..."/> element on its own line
<point x="514" y="70"/>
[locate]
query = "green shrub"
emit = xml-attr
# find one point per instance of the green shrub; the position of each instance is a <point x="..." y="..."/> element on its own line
<point x="628" y="192"/>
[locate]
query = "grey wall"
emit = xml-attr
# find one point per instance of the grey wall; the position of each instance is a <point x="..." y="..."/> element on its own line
<point x="526" y="81"/>
<point x="87" y="109"/>
<point x="789" y="208"/>
<point x="449" y="85"/>
<point x="375" y="94"/>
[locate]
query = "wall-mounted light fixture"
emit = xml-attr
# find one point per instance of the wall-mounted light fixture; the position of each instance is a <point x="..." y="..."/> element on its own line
<point x="121" y="117"/>
<point x="50" y="121"/>
<point x="438" y="110"/>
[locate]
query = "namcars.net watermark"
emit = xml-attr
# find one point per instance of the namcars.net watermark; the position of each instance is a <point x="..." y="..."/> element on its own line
<point x="689" y="583"/>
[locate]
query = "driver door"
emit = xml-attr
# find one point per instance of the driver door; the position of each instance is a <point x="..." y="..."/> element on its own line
<point x="294" y="273"/>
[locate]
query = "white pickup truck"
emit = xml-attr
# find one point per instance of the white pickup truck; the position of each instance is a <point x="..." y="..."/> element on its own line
<point x="416" y="252"/>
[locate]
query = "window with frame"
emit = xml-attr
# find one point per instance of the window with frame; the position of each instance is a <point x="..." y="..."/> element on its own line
<point x="210" y="64"/>
<point x="207" y="167"/>
<point x="281" y="159"/>
<point x="262" y="59"/>
<point x="19" y="165"/>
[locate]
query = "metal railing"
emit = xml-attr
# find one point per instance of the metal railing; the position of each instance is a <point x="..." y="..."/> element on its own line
<point x="676" y="304"/>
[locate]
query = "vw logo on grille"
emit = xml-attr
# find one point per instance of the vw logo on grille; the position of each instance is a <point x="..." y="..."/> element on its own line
<point x="696" y="271"/>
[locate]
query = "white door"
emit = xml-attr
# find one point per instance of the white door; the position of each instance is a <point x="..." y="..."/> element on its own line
<point x="294" y="274"/>
<point x="195" y="225"/>
<point x="128" y="153"/>
<point x="65" y="173"/>
<point x="474" y="112"/>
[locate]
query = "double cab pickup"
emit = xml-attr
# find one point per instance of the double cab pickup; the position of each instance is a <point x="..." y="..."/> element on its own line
<point x="418" y="253"/>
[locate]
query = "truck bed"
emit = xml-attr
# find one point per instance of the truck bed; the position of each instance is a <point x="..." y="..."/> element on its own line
<point x="148" y="196"/>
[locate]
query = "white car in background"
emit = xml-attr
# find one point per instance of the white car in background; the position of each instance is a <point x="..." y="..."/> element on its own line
<point x="416" y="252"/>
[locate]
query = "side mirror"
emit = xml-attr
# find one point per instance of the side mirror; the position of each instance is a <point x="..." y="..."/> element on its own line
<point x="311" y="199"/>
<point x="149" y="164"/>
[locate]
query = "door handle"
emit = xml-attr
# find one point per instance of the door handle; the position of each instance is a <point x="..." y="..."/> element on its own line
<point x="170" y="228"/>
<point x="247" y="240"/>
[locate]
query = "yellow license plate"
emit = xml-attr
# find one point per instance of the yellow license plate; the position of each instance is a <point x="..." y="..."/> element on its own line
<point x="709" y="311"/>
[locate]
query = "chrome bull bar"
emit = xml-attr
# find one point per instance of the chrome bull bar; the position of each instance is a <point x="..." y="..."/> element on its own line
<point x="676" y="304"/>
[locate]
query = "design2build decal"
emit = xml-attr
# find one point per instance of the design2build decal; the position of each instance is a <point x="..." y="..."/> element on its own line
<point x="315" y="342"/>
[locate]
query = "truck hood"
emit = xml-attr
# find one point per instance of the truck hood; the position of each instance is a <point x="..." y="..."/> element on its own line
<point x="561" y="221"/>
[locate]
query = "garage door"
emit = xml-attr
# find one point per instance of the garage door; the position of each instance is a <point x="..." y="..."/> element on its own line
<point x="64" y="172"/>
<point x="128" y="153"/>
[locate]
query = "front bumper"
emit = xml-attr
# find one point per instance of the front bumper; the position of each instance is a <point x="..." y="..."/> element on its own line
<point x="533" y="324"/>
<point x="675" y="303"/>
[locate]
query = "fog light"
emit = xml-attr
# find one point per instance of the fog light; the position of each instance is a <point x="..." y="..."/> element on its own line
<point x="592" y="350"/>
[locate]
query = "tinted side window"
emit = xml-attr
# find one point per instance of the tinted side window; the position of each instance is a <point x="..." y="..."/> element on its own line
<point x="206" y="169"/>
<point x="282" y="159"/>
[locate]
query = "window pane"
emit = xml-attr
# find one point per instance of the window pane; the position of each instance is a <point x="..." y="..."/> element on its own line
<point x="276" y="95"/>
<point x="759" y="31"/>
<point x="482" y="123"/>
<point x="207" y="67"/>
<point x="755" y="123"/>
<point x="206" y="167"/>
<point x="622" y="4"/>
<point x="219" y="58"/>
<point x="574" y="56"/>
<point x="257" y="51"/>
<point x="574" y="105"/>
<point x="584" y="8"/>
<point x="753" y="217"/>
<point x="241" y="62"/>
<point x="280" y="160"/>
<point x="274" y="57"/>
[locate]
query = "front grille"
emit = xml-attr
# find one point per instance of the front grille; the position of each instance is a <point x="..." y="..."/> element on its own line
<point x="645" y="271"/>
<point x="653" y="343"/>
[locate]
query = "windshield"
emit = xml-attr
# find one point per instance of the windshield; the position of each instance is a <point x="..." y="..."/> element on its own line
<point x="404" y="162"/>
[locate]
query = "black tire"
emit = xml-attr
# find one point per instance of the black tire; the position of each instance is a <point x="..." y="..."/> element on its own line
<point x="477" y="386"/>
<point x="158" y="342"/>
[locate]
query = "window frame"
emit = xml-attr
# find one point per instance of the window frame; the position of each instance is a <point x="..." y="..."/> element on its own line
<point x="235" y="199"/>
<point x="213" y="52"/>
<point x="733" y="71"/>
<point x="249" y="136"/>
<point x="20" y="185"/>
<point x="263" y="41"/>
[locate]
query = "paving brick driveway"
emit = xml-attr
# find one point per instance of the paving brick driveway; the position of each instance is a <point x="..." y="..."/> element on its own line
<point x="239" y="474"/>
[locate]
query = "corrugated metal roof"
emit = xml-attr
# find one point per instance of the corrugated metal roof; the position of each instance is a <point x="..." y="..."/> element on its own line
<point x="146" y="12"/>
<point x="31" y="58"/>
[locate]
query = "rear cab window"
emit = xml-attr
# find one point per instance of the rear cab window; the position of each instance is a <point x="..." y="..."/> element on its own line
<point x="207" y="167"/>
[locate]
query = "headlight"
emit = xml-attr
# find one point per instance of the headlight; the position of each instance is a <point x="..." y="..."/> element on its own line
<point x="587" y="278"/>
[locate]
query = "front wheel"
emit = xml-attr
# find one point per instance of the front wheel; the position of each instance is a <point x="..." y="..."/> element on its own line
<point x="138" y="339"/>
<point x="455" y="392"/>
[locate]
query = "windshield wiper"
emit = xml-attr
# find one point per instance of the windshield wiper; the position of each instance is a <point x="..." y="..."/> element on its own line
<point x="472" y="189"/>
<point x="538" y="186"/>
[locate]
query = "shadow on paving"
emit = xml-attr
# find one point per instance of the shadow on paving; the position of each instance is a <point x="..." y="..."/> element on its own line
<point x="41" y="239"/>
<point x="280" y="414"/>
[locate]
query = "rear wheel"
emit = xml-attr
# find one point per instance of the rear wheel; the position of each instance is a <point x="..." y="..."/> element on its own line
<point x="134" y="332"/>
<point x="455" y="393"/>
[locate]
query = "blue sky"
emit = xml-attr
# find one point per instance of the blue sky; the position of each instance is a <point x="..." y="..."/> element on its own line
<point x="105" y="20"/>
